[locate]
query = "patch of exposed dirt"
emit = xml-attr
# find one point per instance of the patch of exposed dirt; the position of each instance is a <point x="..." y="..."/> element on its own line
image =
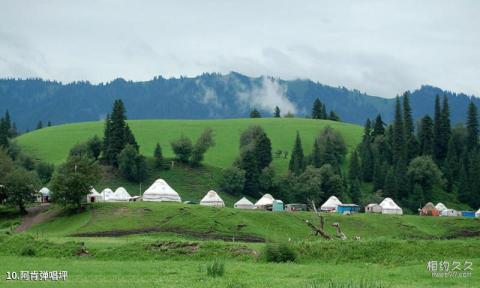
<point x="189" y="247"/>
<point x="464" y="234"/>
<point x="35" y="215"/>
<point x="180" y="231"/>
<point x="242" y="250"/>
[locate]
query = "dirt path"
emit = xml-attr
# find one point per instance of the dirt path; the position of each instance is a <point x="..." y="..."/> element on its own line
<point x="35" y="215"/>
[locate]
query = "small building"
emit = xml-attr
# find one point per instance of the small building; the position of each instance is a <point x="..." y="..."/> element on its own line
<point x="373" y="208"/>
<point x="469" y="214"/>
<point x="43" y="196"/>
<point x="346" y="209"/>
<point x="477" y="214"/>
<point x="390" y="207"/>
<point x="212" y="199"/>
<point x="450" y="213"/>
<point x="244" y="203"/>
<point x="295" y="207"/>
<point x="265" y="202"/>
<point x="429" y="210"/>
<point x="331" y="204"/>
<point x="94" y="196"/>
<point x="277" y="206"/>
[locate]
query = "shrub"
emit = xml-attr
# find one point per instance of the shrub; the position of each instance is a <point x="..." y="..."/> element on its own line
<point x="27" y="251"/>
<point x="216" y="268"/>
<point x="280" y="253"/>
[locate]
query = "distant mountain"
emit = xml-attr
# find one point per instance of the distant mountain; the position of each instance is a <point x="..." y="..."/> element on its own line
<point x="206" y="96"/>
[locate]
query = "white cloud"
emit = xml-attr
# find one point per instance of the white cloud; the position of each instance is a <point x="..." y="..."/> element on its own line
<point x="266" y="96"/>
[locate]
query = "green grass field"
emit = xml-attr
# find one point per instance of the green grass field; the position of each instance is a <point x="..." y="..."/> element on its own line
<point x="393" y="250"/>
<point x="53" y="143"/>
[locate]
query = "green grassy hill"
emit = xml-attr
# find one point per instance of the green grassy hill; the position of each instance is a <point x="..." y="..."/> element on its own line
<point x="117" y="219"/>
<point x="52" y="144"/>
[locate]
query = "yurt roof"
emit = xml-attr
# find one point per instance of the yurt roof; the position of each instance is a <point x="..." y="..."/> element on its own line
<point x="429" y="206"/>
<point x="211" y="197"/>
<point x="266" y="199"/>
<point x="121" y="193"/>
<point x="161" y="190"/>
<point x="388" y="203"/>
<point x="244" y="202"/>
<point x="94" y="192"/>
<point x="106" y="191"/>
<point x="440" y="206"/>
<point x="44" y="191"/>
<point x="331" y="202"/>
<point x="372" y="205"/>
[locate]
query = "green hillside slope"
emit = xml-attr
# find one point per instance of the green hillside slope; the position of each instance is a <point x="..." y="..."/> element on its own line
<point x="53" y="143"/>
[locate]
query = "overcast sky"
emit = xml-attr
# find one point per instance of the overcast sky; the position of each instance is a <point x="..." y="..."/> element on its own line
<point x="379" y="47"/>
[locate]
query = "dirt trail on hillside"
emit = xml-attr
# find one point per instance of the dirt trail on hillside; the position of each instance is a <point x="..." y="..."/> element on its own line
<point x="35" y="215"/>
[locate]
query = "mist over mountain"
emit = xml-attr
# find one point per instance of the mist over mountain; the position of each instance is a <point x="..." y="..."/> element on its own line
<point x="209" y="95"/>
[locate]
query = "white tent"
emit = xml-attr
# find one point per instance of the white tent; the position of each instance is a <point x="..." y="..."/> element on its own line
<point x="94" y="196"/>
<point x="440" y="207"/>
<point x="44" y="191"/>
<point x="244" y="203"/>
<point x="161" y="191"/>
<point x="120" y="195"/>
<point x="212" y="199"/>
<point x="106" y="193"/>
<point x="390" y="207"/>
<point x="477" y="214"/>
<point x="450" y="212"/>
<point x="331" y="204"/>
<point x="266" y="200"/>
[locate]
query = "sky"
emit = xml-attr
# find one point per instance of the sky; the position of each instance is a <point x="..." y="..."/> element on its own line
<point x="382" y="48"/>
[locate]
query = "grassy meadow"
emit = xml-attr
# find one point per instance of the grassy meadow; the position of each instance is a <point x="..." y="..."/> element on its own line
<point x="52" y="144"/>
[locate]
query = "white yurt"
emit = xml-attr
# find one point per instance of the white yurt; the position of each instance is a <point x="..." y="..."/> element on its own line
<point x="106" y="193"/>
<point x="440" y="207"/>
<point x="161" y="191"/>
<point x="120" y="195"/>
<point x="94" y="196"/>
<point x="450" y="213"/>
<point x="43" y="195"/>
<point x="373" y="208"/>
<point x="212" y="199"/>
<point x="390" y="207"/>
<point x="244" y="203"/>
<point x="331" y="204"/>
<point x="266" y="200"/>
<point x="477" y="214"/>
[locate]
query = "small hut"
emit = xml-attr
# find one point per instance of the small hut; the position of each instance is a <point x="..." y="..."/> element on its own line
<point x="120" y="195"/>
<point x="346" y="209"/>
<point x="477" y="214"/>
<point x="373" y="208"/>
<point x="331" y="204"/>
<point x="94" y="196"/>
<point x="390" y="207"/>
<point x="277" y="205"/>
<point x="295" y="207"/>
<point x="212" y="199"/>
<point x="450" y="213"/>
<point x="43" y="196"/>
<point x="469" y="214"/>
<point x="429" y="210"/>
<point x="440" y="207"/>
<point x="265" y="202"/>
<point x="244" y="203"/>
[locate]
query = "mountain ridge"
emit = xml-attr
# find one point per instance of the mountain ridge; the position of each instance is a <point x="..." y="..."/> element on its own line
<point x="206" y="96"/>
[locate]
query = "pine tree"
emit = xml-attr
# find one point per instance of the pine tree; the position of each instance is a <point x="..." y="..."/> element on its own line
<point x="324" y="115"/>
<point x="367" y="162"/>
<point x="390" y="187"/>
<point x="463" y="185"/>
<point x="276" y="113"/>
<point x="106" y="139"/>
<point x="129" y="138"/>
<point x="39" y="125"/>
<point x="437" y="131"/>
<point x="317" y="109"/>
<point x="333" y="116"/>
<point x="367" y="130"/>
<point x="255" y="113"/>
<point x="446" y="128"/>
<point x="398" y="134"/>
<point x="378" y="128"/>
<point x="472" y="127"/>
<point x="426" y="136"/>
<point x="263" y="151"/>
<point x="410" y="140"/>
<point x="379" y="171"/>
<point x="450" y="166"/>
<point x="474" y="180"/>
<point x="297" y="164"/>
<point x="316" y="157"/>
<point x="157" y="154"/>
<point x="3" y="133"/>
<point x="250" y="166"/>
<point x="8" y="124"/>
<point x="354" y="167"/>
<point x="49" y="124"/>
<point x="355" y="193"/>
